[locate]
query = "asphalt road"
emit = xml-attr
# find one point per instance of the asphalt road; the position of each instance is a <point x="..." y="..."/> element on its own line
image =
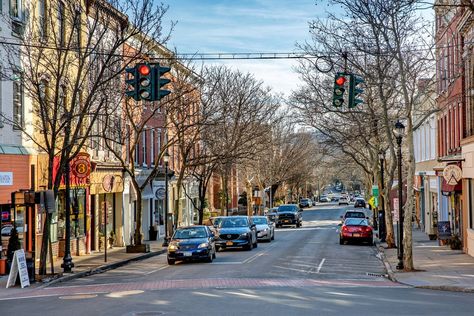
<point x="303" y="272"/>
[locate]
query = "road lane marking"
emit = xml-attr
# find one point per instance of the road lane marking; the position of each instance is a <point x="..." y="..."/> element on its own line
<point x="156" y="270"/>
<point x="320" y="265"/>
<point x="228" y="262"/>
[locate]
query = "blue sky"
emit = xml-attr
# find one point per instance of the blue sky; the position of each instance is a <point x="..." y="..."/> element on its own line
<point x="206" y="26"/>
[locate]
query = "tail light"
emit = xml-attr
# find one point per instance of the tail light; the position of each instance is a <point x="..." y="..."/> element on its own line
<point x="345" y="229"/>
<point x="366" y="229"/>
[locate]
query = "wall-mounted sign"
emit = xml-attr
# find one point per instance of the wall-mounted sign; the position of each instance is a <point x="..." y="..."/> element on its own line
<point x="452" y="174"/>
<point x="6" y="178"/>
<point x="108" y="182"/>
<point x="81" y="167"/>
<point x="160" y="193"/>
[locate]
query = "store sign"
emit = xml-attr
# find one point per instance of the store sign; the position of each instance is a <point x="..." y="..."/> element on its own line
<point x="6" y="178"/>
<point x="160" y="193"/>
<point x="452" y="174"/>
<point x="81" y="167"/>
<point x="18" y="267"/>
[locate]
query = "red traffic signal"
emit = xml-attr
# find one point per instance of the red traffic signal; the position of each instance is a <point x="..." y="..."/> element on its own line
<point x="144" y="70"/>
<point x="340" y="80"/>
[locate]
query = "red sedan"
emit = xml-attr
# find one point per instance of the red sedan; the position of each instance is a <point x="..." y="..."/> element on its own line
<point x="357" y="229"/>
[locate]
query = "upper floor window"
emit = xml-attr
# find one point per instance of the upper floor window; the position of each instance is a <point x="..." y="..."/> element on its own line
<point x="18" y="102"/>
<point x="16" y="9"/>
<point x="61" y="23"/>
<point x="42" y="18"/>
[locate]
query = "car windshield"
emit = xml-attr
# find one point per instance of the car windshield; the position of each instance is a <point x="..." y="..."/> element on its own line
<point x="233" y="222"/>
<point x="355" y="215"/>
<point x="356" y="222"/>
<point x="191" y="232"/>
<point x="216" y="221"/>
<point x="286" y="208"/>
<point x="260" y="220"/>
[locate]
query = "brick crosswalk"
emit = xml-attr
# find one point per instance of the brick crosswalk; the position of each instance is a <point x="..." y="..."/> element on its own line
<point x="197" y="284"/>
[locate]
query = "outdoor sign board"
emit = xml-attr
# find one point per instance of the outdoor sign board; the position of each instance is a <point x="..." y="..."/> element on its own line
<point x="444" y="230"/>
<point x="452" y="174"/>
<point x="18" y="267"/>
<point x="6" y="178"/>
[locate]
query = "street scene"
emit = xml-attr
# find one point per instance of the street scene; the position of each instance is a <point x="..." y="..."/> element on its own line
<point x="215" y="157"/>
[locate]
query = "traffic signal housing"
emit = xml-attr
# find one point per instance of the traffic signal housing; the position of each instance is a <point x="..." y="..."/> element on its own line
<point x="338" y="92"/>
<point x="161" y="81"/>
<point x="145" y="82"/>
<point x="132" y="80"/>
<point x="354" y="91"/>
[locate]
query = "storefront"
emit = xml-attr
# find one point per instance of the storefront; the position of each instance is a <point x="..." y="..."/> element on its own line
<point x="106" y="215"/>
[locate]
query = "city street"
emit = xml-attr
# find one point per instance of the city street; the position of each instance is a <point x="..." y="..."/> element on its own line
<point x="303" y="272"/>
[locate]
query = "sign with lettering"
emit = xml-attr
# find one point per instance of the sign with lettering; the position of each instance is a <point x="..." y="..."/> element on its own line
<point x="452" y="174"/>
<point x="18" y="267"/>
<point x="6" y="178"/>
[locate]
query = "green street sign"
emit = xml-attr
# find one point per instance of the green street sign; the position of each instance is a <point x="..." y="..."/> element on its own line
<point x="375" y="190"/>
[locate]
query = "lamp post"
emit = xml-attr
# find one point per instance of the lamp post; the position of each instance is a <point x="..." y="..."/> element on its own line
<point x="166" y="159"/>
<point x="399" y="131"/>
<point x="67" y="264"/>
<point x="382" y="228"/>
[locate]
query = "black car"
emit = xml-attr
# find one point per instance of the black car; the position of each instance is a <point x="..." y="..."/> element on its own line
<point x="236" y="231"/>
<point x="192" y="243"/>
<point x="359" y="202"/>
<point x="289" y="214"/>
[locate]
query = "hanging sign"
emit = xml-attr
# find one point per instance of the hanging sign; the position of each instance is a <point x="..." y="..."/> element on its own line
<point x="18" y="267"/>
<point x="452" y="174"/>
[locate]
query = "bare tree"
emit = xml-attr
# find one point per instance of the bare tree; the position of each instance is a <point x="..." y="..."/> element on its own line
<point x="68" y="57"/>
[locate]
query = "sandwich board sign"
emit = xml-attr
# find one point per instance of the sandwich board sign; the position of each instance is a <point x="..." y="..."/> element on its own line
<point x="18" y="267"/>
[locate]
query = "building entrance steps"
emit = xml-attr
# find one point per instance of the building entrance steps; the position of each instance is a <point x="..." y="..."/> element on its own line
<point x="438" y="267"/>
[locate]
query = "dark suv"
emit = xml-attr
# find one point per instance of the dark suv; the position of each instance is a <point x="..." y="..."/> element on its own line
<point x="289" y="214"/>
<point x="236" y="231"/>
<point x="359" y="203"/>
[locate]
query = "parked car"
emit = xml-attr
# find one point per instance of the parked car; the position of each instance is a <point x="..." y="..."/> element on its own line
<point x="265" y="229"/>
<point x="356" y="229"/>
<point x="359" y="202"/>
<point x="343" y="200"/>
<point x="192" y="243"/>
<point x="236" y="231"/>
<point x="289" y="214"/>
<point x="305" y="203"/>
<point x="324" y="198"/>
<point x="272" y="215"/>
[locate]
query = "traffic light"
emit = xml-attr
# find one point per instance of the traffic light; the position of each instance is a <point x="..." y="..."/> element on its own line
<point x="132" y="80"/>
<point x="161" y="81"/>
<point x="145" y="82"/>
<point x="338" y="93"/>
<point x="354" y="91"/>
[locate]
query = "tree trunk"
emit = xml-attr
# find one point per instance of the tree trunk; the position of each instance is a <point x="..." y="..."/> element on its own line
<point x="409" y="205"/>
<point x="137" y="236"/>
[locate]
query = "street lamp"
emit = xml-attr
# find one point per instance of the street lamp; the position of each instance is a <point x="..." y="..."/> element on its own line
<point x="166" y="158"/>
<point x="382" y="228"/>
<point x="67" y="264"/>
<point x="399" y="131"/>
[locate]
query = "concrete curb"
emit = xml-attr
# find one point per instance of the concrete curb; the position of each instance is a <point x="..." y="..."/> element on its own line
<point x="383" y="258"/>
<point x="102" y="268"/>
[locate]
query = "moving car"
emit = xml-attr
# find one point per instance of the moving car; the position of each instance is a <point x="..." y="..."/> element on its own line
<point x="343" y="200"/>
<point x="265" y="229"/>
<point x="356" y="229"/>
<point x="305" y="203"/>
<point x="359" y="202"/>
<point x="192" y="243"/>
<point x="324" y="198"/>
<point x="289" y="214"/>
<point x="236" y="231"/>
<point x="353" y="214"/>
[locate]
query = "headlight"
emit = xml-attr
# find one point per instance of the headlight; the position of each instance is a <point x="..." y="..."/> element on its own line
<point x="203" y="245"/>
<point x="265" y="230"/>
<point x="173" y="247"/>
<point x="243" y="236"/>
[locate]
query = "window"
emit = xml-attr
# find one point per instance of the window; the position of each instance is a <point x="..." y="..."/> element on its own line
<point x="152" y="149"/>
<point x="158" y="142"/>
<point x="42" y="19"/>
<point x="61" y="23"/>
<point x="144" y="148"/>
<point x="18" y="102"/>
<point x="16" y="9"/>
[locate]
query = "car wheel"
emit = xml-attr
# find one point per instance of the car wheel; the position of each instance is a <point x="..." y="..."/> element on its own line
<point x="171" y="261"/>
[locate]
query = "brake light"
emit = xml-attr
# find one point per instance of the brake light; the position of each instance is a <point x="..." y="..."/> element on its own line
<point x="344" y="228"/>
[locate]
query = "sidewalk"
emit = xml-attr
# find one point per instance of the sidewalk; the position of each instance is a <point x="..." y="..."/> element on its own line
<point x="86" y="265"/>
<point x="439" y="267"/>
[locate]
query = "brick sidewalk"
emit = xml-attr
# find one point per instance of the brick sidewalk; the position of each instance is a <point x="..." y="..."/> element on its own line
<point x="439" y="267"/>
<point x="86" y="265"/>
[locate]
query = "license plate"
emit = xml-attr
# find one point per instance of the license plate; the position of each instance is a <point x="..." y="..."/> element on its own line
<point x="287" y="221"/>
<point x="229" y="243"/>
<point x="187" y="253"/>
<point x="356" y="235"/>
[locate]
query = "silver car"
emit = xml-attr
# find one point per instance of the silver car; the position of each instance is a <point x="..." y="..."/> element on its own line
<point x="265" y="228"/>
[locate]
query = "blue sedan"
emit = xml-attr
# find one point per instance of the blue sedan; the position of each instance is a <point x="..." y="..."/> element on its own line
<point x="192" y="243"/>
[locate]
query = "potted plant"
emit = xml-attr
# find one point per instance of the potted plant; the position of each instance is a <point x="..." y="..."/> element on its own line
<point x="111" y="239"/>
<point x="454" y="242"/>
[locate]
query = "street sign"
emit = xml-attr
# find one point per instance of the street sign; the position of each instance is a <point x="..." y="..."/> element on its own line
<point x="375" y="190"/>
<point x="18" y="267"/>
